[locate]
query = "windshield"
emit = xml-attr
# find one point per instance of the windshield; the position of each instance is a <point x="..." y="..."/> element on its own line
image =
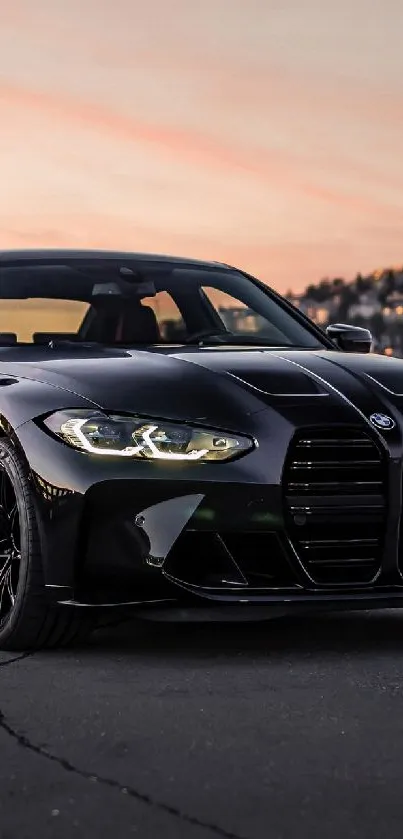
<point x="134" y="303"/>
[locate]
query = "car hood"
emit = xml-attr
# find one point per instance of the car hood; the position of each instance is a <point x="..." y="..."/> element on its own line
<point x="302" y="372"/>
<point x="221" y="386"/>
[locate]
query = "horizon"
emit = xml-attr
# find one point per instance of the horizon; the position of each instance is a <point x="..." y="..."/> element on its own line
<point x="243" y="133"/>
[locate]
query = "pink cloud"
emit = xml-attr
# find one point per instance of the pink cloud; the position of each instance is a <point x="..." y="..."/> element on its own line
<point x="275" y="167"/>
<point x="315" y="158"/>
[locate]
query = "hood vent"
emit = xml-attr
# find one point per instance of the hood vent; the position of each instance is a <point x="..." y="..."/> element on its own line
<point x="279" y="384"/>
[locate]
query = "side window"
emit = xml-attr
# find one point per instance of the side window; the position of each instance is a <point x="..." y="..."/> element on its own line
<point x="169" y="318"/>
<point x="238" y="317"/>
<point x="26" y="317"/>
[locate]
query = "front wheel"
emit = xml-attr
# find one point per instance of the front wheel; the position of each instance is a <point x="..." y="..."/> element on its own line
<point x="27" y="619"/>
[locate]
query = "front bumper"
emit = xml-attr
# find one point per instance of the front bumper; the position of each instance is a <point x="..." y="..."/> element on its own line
<point x="217" y="543"/>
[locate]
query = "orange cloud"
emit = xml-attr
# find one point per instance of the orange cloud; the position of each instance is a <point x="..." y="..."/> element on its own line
<point x="275" y="168"/>
<point x="281" y="265"/>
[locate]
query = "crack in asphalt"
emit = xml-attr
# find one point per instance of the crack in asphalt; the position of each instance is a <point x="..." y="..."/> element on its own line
<point x="16" y="658"/>
<point x="154" y="803"/>
<point x="31" y="653"/>
<point x="148" y="800"/>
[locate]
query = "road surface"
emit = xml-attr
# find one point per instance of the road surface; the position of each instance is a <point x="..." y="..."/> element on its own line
<point x="292" y="728"/>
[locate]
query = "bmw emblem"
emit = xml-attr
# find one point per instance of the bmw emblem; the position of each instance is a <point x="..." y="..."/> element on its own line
<point x="382" y="421"/>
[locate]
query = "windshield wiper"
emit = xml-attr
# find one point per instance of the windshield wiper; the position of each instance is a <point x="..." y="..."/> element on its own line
<point x="56" y="343"/>
<point x="200" y="339"/>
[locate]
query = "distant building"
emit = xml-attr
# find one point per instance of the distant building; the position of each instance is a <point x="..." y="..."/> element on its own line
<point x="366" y="306"/>
<point x="393" y="307"/>
<point x="320" y="313"/>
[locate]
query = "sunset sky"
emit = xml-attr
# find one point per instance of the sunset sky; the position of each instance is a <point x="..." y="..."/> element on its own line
<point x="265" y="133"/>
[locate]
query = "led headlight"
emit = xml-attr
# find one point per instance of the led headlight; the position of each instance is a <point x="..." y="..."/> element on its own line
<point x="142" y="438"/>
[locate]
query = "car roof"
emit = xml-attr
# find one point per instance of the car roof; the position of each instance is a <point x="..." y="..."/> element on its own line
<point x="70" y="253"/>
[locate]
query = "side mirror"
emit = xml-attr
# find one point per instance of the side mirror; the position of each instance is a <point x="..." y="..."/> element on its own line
<point x="350" y="338"/>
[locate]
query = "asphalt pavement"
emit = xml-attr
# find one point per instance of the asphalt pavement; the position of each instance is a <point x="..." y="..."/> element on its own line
<point x="292" y="728"/>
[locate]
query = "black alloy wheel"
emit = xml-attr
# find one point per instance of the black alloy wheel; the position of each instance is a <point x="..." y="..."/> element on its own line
<point x="28" y="618"/>
<point x="10" y="546"/>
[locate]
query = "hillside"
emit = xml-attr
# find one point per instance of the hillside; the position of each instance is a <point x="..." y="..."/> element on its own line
<point x="374" y="301"/>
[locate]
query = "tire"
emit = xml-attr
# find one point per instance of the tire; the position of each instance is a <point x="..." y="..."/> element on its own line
<point x="28" y="620"/>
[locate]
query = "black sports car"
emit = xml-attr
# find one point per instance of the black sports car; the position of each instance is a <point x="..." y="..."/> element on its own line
<point x="178" y="439"/>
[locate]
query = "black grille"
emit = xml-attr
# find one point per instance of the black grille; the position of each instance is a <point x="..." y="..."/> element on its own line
<point x="335" y="504"/>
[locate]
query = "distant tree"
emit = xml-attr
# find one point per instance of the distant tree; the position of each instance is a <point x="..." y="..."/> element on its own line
<point x="324" y="291"/>
<point x="359" y="282"/>
<point x="377" y="325"/>
<point x="348" y="296"/>
<point x="388" y="286"/>
<point x="311" y="292"/>
<point x="362" y="284"/>
<point x="390" y="280"/>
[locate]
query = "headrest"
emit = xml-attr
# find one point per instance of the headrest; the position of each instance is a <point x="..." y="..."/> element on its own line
<point x="138" y="324"/>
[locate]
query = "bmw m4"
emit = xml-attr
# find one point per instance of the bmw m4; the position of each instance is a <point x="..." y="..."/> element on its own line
<point x="177" y="440"/>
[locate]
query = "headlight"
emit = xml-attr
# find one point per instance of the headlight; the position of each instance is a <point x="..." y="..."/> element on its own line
<point x="143" y="439"/>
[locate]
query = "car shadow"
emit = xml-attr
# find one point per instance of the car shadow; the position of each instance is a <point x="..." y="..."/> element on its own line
<point x="351" y="633"/>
